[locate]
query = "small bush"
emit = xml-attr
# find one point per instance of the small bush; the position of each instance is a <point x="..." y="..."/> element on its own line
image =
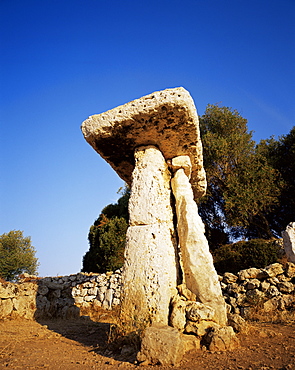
<point x="245" y="254"/>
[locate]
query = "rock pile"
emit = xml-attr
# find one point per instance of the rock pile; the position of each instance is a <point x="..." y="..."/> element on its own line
<point x="272" y="287"/>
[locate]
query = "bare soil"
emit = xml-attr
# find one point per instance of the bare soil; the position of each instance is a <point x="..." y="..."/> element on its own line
<point x="83" y="344"/>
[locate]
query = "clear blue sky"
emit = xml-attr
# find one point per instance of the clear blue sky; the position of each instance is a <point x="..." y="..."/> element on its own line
<point x="61" y="61"/>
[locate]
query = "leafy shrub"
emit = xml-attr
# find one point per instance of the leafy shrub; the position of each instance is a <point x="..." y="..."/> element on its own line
<point x="245" y="254"/>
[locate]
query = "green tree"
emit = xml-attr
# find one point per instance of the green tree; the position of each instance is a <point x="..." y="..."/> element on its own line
<point x="107" y="237"/>
<point x="241" y="183"/>
<point x="281" y="156"/>
<point x="17" y="255"/>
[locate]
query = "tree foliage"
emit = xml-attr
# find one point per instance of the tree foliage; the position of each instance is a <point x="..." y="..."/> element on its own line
<point x="107" y="238"/>
<point x="241" y="183"/>
<point x="17" y="255"/>
<point x="280" y="155"/>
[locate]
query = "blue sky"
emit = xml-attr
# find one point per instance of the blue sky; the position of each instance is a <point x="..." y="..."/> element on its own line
<point x="61" y="61"/>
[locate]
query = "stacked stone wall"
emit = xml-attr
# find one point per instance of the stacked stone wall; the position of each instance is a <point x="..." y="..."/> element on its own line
<point x="273" y="288"/>
<point x="59" y="297"/>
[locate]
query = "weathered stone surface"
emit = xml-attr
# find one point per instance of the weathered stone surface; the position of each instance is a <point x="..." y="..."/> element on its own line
<point x="200" y="328"/>
<point x="191" y="342"/>
<point x="7" y="290"/>
<point x="272" y="304"/>
<point x="186" y="293"/>
<point x="228" y="277"/>
<point x="197" y="311"/>
<point x="178" y="313"/>
<point x="25" y="306"/>
<point x="223" y="339"/>
<point x="199" y="272"/>
<point x="237" y="322"/>
<point x="167" y="119"/>
<point x="150" y="201"/>
<point x="285" y="287"/>
<point x="161" y="344"/>
<point x="251" y="273"/>
<point x="6" y="307"/>
<point x="274" y="270"/>
<point x="253" y="284"/>
<point x="289" y="241"/>
<point x="150" y="274"/>
<point x="290" y="269"/>
<point x="182" y="161"/>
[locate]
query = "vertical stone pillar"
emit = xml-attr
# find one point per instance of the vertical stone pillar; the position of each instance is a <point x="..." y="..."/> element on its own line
<point x="199" y="272"/>
<point x="150" y="272"/>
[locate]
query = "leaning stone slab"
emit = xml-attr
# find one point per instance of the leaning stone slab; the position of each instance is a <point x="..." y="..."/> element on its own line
<point x="199" y="273"/>
<point x="289" y="241"/>
<point x="167" y="119"/>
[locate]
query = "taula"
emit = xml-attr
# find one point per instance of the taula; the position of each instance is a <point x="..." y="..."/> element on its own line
<point x="166" y="119"/>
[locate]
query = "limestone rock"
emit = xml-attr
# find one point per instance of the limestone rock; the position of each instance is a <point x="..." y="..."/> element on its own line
<point x="290" y="269"/>
<point x="167" y="119"/>
<point x="191" y="342"/>
<point x="272" y="304"/>
<point x="251" y="273"/>
<point x="199" y="272"/>
<point x="186" y="293"/>
<point x="178" y="313"/>
<point x="200" y="328"/>
<point x="197" y="311"/>
<point x="237" y="322"/>
<point x="161" y="344"/>
<point x="285" y="287"/>
<point x="222" y="339"/>
<point x="228" y="277"/>
<point x="6" y="307"/>
<point x="149" y="277"/>
<point x="289" y="241"/>
<point x="274" y="270"/>
<point x="8" y="290"/>
<point x="182" y="161"/>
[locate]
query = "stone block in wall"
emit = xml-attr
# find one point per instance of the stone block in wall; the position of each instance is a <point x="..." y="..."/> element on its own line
<point x="274" y="270"/>
<point x="272" y="291"/>
<point x="24" y="306"/>
<point x="6" y="307"/>
<point x="93" y="291"/>
<point x="89" y="298"/>
<point x="79" y="300"/>
<point x="7" y="290"/>
<point x="228" y="277"/>
<point x="285" y="287"/>
<point x="251" y="273"/>
<point x="43" y="289"/>
<point x="290" y="269"/>
<point x="253" y="284"/>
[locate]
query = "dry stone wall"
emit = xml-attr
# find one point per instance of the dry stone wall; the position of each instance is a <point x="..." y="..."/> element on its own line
<point x="66" y="296"/>
<point x="59" y="297"/>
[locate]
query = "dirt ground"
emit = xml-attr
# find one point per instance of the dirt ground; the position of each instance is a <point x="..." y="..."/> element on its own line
<point x="81" y="344"/>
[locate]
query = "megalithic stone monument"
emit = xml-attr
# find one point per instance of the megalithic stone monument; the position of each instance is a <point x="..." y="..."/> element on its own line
<point x="146" y="141"/>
